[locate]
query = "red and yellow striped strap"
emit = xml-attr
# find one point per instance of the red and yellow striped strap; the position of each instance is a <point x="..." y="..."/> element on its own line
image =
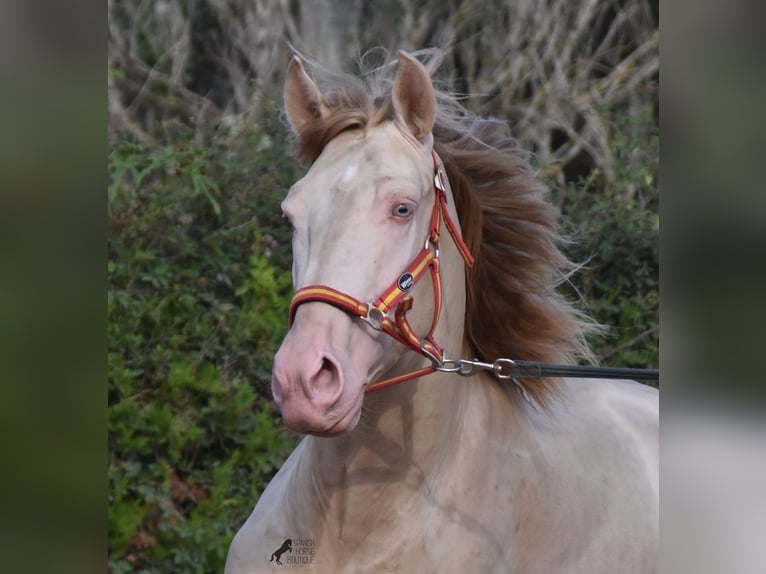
<point x="379" y="385"/>
<point x="326" y="295"/>
<point x="465" y="253"/>
<point x="428" y="346"/>
<point x="440" y="186"/>
<point x="397" y="291"/>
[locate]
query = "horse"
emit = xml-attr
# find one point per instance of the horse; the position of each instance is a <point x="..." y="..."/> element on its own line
<point x="421" y="236"/>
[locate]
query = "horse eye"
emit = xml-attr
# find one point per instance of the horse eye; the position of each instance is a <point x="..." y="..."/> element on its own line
<point x="403" y="210"/>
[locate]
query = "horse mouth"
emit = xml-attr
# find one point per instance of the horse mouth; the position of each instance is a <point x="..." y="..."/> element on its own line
<point x="308" y="421"/>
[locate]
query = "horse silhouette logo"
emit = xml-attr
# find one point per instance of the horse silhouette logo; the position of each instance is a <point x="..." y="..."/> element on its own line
<point x="287" y="546"/>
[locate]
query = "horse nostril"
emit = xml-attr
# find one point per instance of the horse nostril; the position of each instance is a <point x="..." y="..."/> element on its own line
<point x="328" y="364"/>
<point x="326" y="382"/>
<point x="325" y="375"/>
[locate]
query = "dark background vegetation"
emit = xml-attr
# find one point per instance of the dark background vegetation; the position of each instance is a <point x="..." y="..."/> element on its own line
<point x="199" y="159"/>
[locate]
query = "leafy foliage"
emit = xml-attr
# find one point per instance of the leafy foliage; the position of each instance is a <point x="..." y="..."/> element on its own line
<point x="616" y="233"/>
<point x="199" y="289"/>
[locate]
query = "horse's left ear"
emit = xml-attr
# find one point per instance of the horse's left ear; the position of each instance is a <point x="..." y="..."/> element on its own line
<point x="413" y="96"/>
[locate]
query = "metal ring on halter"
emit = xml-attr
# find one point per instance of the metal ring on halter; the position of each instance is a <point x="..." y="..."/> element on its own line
<point x="438" y="363"/>
<point x="451" y="366"/>
<point x="430" y="243"/>
<point x="438" y="180"/>
<point x="375" y="316"/>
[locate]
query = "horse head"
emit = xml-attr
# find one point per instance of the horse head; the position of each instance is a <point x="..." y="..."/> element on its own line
<point x="360" y="217"/>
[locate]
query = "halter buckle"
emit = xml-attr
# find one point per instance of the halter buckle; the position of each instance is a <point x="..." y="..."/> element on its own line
<point x="439" y="179"/>
<point x="430" y="243"/>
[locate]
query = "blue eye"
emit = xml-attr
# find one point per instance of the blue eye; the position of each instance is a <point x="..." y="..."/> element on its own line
<point x="403" y="210"/>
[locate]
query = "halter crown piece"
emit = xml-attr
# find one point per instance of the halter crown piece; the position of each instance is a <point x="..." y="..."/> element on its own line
<point x="395" y="299"/>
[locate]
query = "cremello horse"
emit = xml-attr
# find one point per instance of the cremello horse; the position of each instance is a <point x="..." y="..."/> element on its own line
<point x="442" y="473"/>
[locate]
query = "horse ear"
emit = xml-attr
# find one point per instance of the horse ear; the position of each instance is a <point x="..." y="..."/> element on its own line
<point x="413" y="96"/>
<point x="303" y="100"/>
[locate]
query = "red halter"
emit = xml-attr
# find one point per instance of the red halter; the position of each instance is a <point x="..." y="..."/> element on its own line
<point x="378" y="312"/>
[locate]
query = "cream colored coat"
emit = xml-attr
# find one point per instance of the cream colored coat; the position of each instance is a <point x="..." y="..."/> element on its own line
<point x="443" y="474"/>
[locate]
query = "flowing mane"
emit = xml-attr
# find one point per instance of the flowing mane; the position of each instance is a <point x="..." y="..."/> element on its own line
<point x="514" y="309"/>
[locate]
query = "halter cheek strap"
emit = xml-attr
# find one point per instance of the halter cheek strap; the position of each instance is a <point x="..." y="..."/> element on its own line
<point x="395" y="299"/>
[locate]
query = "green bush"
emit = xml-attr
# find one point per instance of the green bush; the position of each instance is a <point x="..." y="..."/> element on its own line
<point x="199" y="288"/>
<point x="615" y="234"/>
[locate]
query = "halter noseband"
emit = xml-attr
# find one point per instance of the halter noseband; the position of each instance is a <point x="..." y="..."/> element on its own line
<point x="377" y="313"/>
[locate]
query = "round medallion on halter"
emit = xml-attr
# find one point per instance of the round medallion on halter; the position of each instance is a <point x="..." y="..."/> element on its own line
<point x="405" y="282"/>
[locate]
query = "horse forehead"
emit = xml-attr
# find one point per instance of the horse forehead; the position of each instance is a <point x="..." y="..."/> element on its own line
<point x="359" y="161"/>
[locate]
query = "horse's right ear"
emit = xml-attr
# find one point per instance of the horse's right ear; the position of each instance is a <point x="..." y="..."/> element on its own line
<point x="413" y="97"/>
<point x="303" y="100"/>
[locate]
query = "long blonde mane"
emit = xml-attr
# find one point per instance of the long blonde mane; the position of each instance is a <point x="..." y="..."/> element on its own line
<point x="513" y="308"/>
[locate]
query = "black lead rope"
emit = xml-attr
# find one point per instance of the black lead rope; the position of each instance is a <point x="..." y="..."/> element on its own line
<point x="533" y="370"/>
<point x="511" y="369"/>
